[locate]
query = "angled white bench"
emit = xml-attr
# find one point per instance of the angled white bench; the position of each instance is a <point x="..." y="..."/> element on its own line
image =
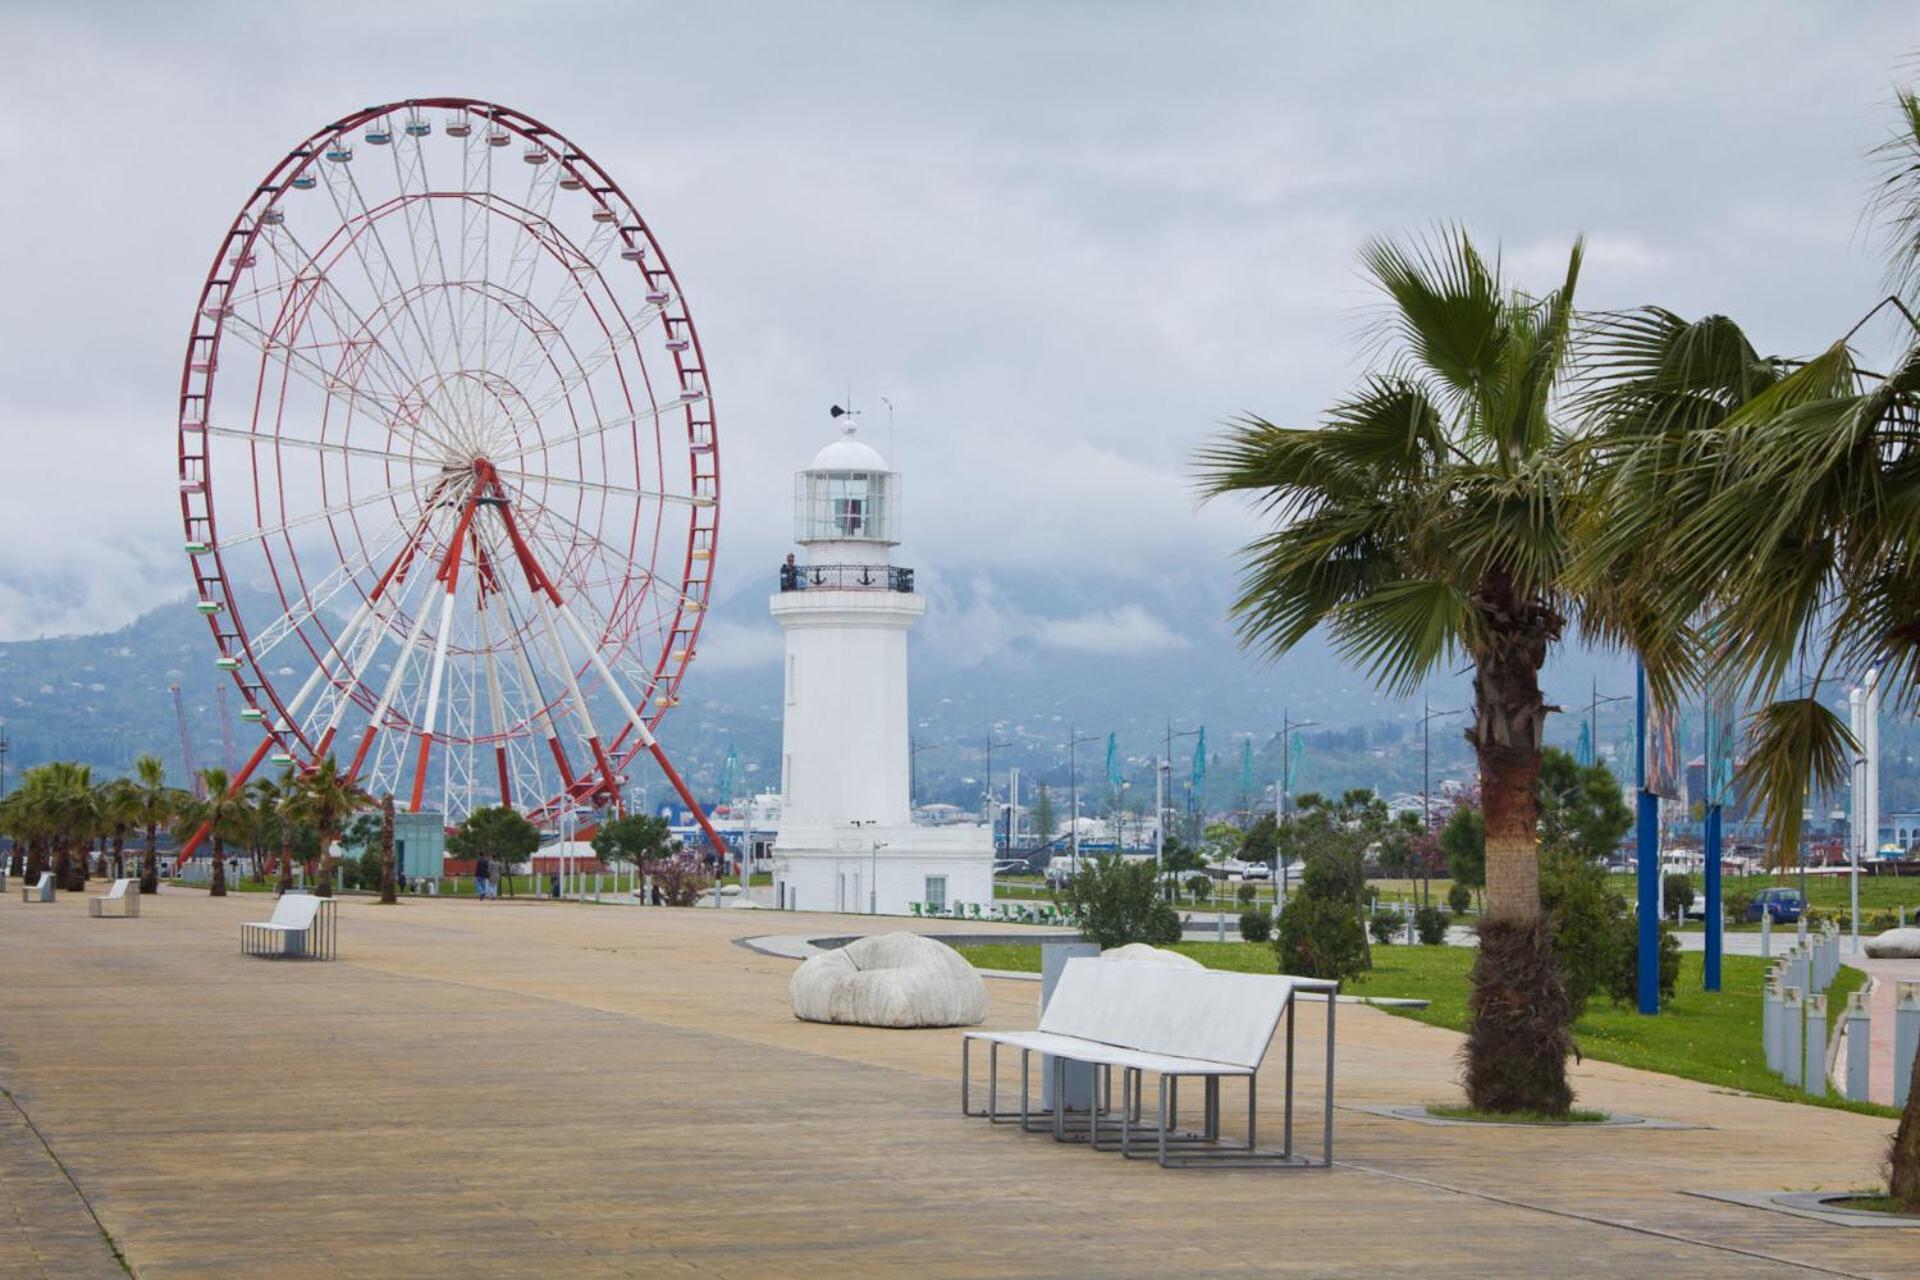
<point x="123" y="899"/>
<point x="41" y="891"/>
<point x="1172" y="1022"/>
<point x="302" y="927"/>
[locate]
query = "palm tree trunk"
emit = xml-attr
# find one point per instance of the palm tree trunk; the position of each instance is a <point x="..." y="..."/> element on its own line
<point x="1519" y="1018"/>
<point x="63" y="868"/>
<point x="1903" y="1154"/>
<point x="284" y="882"/>
<point x="150" y="868"/>
<point x="323" y="880"/>
<point x="219" y="886"/>
<point x="388" y="890"/>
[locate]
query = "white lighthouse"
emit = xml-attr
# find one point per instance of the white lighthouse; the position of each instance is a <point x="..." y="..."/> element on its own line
<point x="847" y="839"/>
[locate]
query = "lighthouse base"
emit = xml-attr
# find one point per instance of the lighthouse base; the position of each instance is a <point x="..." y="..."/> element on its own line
<point x="838" y="869"/>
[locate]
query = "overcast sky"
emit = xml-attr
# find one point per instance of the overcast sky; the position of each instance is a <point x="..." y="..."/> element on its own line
<point x="1065" y="240"/>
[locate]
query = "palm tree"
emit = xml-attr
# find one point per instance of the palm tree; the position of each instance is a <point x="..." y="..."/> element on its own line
<point x="157" y="805"/>
<point x="1431" y="514"/>
<point x="389" y="890"/>
<point x="69" y="804"/>
<point x="119" y="810"/>
<point x="1790" y="514"/>
<point x="324" y="798"/>
<point x="224" y="815"/>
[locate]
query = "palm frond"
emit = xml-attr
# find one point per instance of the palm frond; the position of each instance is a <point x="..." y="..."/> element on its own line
<point x="1893" y="211"/>
<point x="1791" y="743"/>
<point x="1448" y="305"/>
<point x="1402" y="630"/>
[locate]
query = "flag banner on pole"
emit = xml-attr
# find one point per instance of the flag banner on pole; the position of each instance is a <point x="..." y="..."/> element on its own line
<point x="1199" y="774"/>
<point x="1663" y="750"/>
<point x="1113" y="761"/>
<point x="1246" y="767"/>
<point x="1584" y="752"/>
<point x="1723" y="738"/>
<point x="1296" y="759"/>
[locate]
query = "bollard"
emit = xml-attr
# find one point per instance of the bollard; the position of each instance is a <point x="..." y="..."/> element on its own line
<point x="1815" y="1074"/>
<point x="1906" y="1038"/>
<point x="1859" y="1045"/>
<point x="1770" y="1023"/>
<point x="1792" y="1003"/>
<point x="1766" y="934"/>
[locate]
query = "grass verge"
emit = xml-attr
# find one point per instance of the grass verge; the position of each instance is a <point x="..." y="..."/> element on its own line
<point x="1578" y="1115"/>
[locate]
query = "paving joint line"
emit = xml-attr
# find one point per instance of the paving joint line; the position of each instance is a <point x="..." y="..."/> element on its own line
<point x="66" y="1173"/>
<point x="1598" y="1221"/>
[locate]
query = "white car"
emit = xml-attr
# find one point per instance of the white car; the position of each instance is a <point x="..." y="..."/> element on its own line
<point x="1257" y="871"/>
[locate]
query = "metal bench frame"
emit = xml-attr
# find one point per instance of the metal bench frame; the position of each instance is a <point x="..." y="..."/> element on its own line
<point x="279" y="939"/>
<point x="125" y="893"/>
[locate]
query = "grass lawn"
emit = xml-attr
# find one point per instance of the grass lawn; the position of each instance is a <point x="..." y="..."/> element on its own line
<point x="1827" y="892"/>
<point x="1713" y="1038"/>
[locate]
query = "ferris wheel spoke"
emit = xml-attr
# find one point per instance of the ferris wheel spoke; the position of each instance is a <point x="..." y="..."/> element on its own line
<point x="319" y="596"/>
<point x="600" y="427"/>
<point x="324" y="513"/>
<point x="333" y="447"/>
<point x="392" y="287"/>
<point x="594" y="486"/>
<point x="572" y="380"/>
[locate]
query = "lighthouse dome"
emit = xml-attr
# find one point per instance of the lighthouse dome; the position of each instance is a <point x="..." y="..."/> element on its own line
<point x="848" y="454"/>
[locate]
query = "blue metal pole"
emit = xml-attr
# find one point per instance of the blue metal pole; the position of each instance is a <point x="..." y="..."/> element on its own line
<point x="1647" y="845"/>
<point x="1715" y="920"/>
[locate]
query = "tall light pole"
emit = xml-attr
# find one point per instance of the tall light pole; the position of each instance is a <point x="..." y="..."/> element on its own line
<point x="1427" y="716"/>
<point x="1594" y="703"/>
<point x="1287" y="725"/>
<point x="991" y="813"/>
<point x="913" y="768"/>
<point x="873" y="870"/>
<point x="1164" y="814"/>
<point x="1073" y="796"/>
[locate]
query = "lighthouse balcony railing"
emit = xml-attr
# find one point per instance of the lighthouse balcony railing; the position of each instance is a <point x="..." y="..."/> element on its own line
<point x="845" y="577"/>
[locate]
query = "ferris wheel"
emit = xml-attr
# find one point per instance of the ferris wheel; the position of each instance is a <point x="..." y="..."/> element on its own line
<point x="449" y="471"/>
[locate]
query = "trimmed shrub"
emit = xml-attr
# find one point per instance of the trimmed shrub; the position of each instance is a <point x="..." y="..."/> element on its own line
<point x="1585" y="917"/>
<point x="1256" y="925"/>
<point x="1459" y="899"/>
<point x="681" y="880"/>
<point x="1244" y="894"/>
<point x="1118" y="902"/>
<point x="1386" y="926"/>
<point x="1676" y="893"/>
<point x="1430" y="923"/>
<point x="1623" y="984"/>
<point x="1199" y="886"/>
<point x="1318" y="937"/>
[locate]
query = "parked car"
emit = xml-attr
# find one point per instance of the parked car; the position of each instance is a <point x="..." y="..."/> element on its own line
<point x="1010" y="867"/>
<point x="1784" y="905"/>
<point x="1256" y="871"/>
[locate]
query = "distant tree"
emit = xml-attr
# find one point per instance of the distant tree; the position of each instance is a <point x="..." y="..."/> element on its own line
<point x="1261" y="843"/>
<point x="496" y="833"/>
<point x="638" y="838"/>
<point x="1322" y="932"/>
<point x="1043" y="814"/>
<point x="222" y="814"/>
<point x="1464" y="841"/>
<point x="1582" y="808"/>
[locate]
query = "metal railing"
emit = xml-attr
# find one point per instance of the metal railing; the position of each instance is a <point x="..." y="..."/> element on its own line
<point x="845" y="577"/>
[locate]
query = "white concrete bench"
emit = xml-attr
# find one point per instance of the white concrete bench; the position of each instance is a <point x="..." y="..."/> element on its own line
<point x="41" y="891"/>
<point x="1173" y="1022"/>
<point x="123" y="899"/>
<point x="302" y="927"/>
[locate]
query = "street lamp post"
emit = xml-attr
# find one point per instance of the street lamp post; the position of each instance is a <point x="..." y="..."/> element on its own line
<point x="1287" y="726"/>
<point x="1594" y="702"/>
<point x="1427" y="716"/>
<point x="1165" y="813"/>
<point x="873" y="866"/>
<point x="913" y="769"/>
<point x="1073" y="798"/>
<point x="989" y="810"/>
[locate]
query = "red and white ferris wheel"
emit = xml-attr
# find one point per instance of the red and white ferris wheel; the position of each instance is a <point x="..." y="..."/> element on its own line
<point x="449" y="467"/>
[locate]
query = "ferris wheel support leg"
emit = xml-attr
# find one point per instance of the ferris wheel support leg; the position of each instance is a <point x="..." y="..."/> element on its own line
<point x="647" y="739"/>
<point x="449" y="573"/>
<point x="233" y="788"/>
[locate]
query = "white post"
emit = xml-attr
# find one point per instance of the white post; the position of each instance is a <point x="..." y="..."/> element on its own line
<point x="1815" y="1073"/>
<point x="1906" y="1038"/>
<point x="1770" y="1024"/>
<point x="1859" y="1045"/>
<point x="1792" y="1008"/>
<point x="1766" y="934"/>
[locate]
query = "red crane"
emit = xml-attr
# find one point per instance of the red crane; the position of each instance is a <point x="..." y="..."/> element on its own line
<point x="186" y="744"/>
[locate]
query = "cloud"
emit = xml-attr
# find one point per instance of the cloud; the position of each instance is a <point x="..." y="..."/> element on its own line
<point x="1127" y="631"/>
<point x="732" y="646"/>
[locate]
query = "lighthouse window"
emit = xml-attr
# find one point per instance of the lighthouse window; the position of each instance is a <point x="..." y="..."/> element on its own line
<point x="847" y="516"/>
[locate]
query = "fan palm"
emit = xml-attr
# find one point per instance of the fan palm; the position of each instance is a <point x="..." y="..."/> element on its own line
<point x="324" y="798"/>
<point x="1430" y="515"/>
<point x="157" y="805"/>
<point x="1796" y="516"/>
<point x="223" y="814"/>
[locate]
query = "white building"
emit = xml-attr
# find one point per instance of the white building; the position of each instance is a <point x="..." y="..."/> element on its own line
<point x="847" y="838"/>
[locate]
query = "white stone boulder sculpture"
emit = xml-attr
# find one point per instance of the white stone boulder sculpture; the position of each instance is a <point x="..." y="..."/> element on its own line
<point x="890" y="980"/>
<point x="1895" y="944"/>
<point x="1140" y="952"/>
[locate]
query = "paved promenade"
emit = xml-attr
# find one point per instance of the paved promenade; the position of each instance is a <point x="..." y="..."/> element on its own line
<point x="566" y="1090"/>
